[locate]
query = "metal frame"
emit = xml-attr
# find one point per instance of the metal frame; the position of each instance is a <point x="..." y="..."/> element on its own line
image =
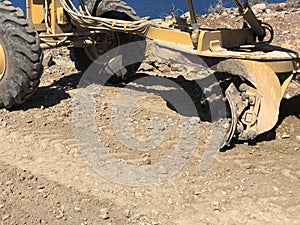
<point x="58" y="30"/>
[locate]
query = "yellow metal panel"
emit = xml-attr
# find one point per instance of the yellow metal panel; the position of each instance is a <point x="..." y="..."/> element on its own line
<point x="205" y="39"/>
<point x="35" y="10"/>
<point x="2" y="62"/>
<point x="281" y="66"/>
<point x="40" y="27"/>
<point x="285" y="84"/>
<point x="268" y="85"/>
<point x="173" y="36"/>
<point x="56" y="11"/>
<point x="53" y="6"/>
<point x="265" y="82"/>
<point x="61" y="17"/>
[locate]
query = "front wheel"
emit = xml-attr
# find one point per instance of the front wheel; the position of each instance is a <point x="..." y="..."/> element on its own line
<point x="20" y="56"/>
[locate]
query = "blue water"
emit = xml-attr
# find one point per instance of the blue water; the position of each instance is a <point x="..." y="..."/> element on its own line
<point x="160" y="8"/>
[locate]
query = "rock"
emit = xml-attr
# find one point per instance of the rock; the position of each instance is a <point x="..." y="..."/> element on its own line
<point x="226" y="125"/>
<point x="5" y="217"/>
<point x="147" y="161"/>
<point x="298" y="137"/>
<point x="216" y="206"/>
<point x="177" y="68"/>
<point x="236" y="12"/>
<point x="48" y="60"/>
<point x="155" y="213"/>
<point x="186" y="155"/>
<point x="41" y="187"/>
<point x="40" y="190"/>
<point x="171" y="202"/>
<point x="258" y="8"/>
<point x="30" y="177"/>
<point x="224" y="13"/>
<point x="138" y="216"/>
<point x="29" y="120"/>
<point x="105" y="105"/>
<point x="77" y="209"/>
<point x="186" y="15"/>
<point x="285" y="136"/>
<point x="286" y="32"/>
<point x="127" y="213"/>
<point x="194" y="120"/>
<point x="280" y="7"/>
<point x="247" y="166"/>
<point x="104" y="214"/>
<point x="94" y="94"/>
<point x="146" y="67"/>
<point x="165" y="69"/>
<point x="242" y="188"/>
<point x="60" y="216"/>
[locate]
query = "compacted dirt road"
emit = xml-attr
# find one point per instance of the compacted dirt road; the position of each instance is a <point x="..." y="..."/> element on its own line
<point x="46" y="179"/>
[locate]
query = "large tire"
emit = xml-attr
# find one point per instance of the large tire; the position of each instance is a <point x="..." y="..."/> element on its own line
<point x="112" y="9"/>
<point x="22" y="56"/>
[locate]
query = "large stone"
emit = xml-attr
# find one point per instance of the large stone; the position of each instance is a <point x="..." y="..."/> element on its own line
<point x="261" y="7"/>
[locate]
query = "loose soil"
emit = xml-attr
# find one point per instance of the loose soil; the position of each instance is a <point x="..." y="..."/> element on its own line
<point x="45" y="179"/>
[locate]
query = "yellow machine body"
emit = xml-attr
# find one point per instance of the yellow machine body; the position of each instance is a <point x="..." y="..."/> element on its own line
<point x="51" y="10"/>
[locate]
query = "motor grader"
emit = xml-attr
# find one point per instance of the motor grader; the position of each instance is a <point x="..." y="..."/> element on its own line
<point x="264" y="71"/>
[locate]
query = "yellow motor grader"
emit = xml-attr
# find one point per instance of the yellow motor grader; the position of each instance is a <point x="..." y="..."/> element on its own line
<point x="97" y="26"/>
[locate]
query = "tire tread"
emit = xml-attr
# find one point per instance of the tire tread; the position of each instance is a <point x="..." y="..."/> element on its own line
<point x="23" y="44"/>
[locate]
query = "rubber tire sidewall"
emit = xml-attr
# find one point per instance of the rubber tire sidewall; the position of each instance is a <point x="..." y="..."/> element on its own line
<point x="23" y="56"/>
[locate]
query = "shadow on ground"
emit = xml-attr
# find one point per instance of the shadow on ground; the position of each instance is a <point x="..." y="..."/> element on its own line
<point x="53" y="94"/>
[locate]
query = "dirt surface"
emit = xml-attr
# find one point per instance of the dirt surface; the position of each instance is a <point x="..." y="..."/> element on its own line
<point x="45" y="178"/>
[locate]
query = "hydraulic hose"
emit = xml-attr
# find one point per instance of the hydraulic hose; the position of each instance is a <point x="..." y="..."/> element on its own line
<point x="251" y="19"/>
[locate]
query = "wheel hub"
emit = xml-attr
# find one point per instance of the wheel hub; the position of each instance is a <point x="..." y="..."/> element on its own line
<point x="105" y="42"/>
<point x="2" y="62"/>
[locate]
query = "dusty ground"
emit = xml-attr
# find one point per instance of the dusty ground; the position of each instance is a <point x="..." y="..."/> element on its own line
<point x="46" y="180"/>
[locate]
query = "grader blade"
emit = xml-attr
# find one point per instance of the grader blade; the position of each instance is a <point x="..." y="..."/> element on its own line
<point x="258" y="98"/>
